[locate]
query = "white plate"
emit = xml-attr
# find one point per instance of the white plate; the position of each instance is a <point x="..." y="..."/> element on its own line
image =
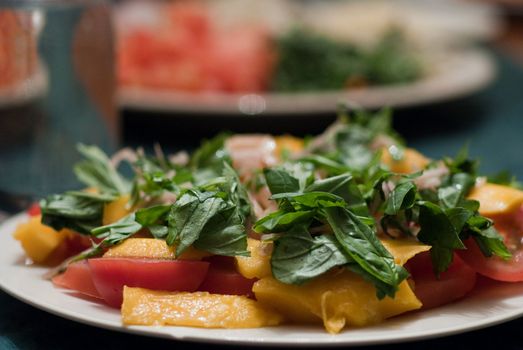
<point x="451" y="76"/>
<point x="493" y="303"/>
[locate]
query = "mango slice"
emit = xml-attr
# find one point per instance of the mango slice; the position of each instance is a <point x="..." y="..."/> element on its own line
<point x="403" y="250"/>
<point x="288" y="143"/>
<point x="497" y="199"/>
<point x="151" y="248"/>
<point x="411" y="162"/>
<point x="257" y="265"/>
<point x="38" y="240"/>
<point x="339" y="299"/>
<point x="199" y="309"/>
<point x="116" y="210"/>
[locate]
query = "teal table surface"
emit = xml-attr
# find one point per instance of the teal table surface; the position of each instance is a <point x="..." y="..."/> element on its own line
<point x="491" y="122"/>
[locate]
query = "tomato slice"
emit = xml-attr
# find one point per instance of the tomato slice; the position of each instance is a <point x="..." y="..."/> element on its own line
<point x="110" y="275"/>
<point x="223" y="278"/>
<point x="78" y="278"/>
<point x="493" y="267"/>
<point x="511" y="228"/>
<point x="34" y="209"/>
<point x="452" y="284"/>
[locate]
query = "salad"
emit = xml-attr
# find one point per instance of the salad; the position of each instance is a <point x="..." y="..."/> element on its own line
<point x="188" y="48"/>
<point x="345" y="229"/>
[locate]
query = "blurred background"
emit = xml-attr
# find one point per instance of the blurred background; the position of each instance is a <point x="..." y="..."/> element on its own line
<point x="120" y="73"/>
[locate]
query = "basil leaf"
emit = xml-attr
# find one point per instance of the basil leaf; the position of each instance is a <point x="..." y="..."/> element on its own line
<point x="401" y="198"/>
<point x="118" y="231"/>
<point x="281" y="221"/>
<point x="150" y="216"/>
<point x="298" y="257"/>
<point x="361" y="243"/>
<point x="438" y="231"/>
<point x="280" y="181"/>
<point x="224" y="234"/>
<point x="188" y="217"/>
<point x="311" y="200"/>
<point x="97" y="171"/>
<point x="76" y="212"/>
<point x="491" y="242"/>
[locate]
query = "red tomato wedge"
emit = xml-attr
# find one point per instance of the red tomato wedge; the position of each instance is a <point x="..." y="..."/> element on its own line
<point x="494" y="267"/>
<point x="452" y="284"/>
<point x="34" y="209"/>
<point x="511" y="228"/>
<point x="78" y="278"/>
<point x="110" y="275"/>
<point x="223" y="278"/>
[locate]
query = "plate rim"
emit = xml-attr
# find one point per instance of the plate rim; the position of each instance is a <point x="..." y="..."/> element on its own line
<point x="335" y="341"/>
<point x="478" y="60"/>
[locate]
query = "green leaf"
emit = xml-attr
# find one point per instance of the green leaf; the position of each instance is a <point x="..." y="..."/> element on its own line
<point x="77" y="212"/>
<point x="361" y="243"/>
<point x="97" y="171"/>
<point x="150" y="216"/>
<point x="311" y="200"/>
<point x="280" y="181"/>
<point x="211" y="153"/>
<point x="456" y="190"/>
<point x="438" y="231"/>
<point x="281" y="221"/>
<point x="491" y="243"/>
<point x="459" y="217"/>
<point x="224" y="234"/>
<point x="505" y="178"/>
<point x="159" y="231"/>
<point x="118" y="231"/>
<point x="401" y="198"/>
<point x="189" y="215"/>
<point x="344" y="187"/>
<point x="298" y="257"/>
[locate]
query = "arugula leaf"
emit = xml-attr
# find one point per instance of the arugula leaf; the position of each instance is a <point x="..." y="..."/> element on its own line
<point x="298" y="257"/>
<point x="97" y="171"/>
<point x="73" y="210"/>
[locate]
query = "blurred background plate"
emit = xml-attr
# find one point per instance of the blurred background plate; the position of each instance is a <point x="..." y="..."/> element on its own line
<point x="451" y="75"/>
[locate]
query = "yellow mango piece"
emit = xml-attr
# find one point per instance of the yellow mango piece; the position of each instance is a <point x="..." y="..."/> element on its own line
<point x="341" y="298"/>
<point x="496" y="199"/>
<point x="198" y="309"/>
<point x="151" y="248"/>
<point x="402" y="250"/>
<point x="338" y="298"/>
<point x="115" y="210"/>
<point x="257" y="265"/>
<point x="289" y="144"/>
<point x="411" y="162"/>
<point x="38" y="240"/>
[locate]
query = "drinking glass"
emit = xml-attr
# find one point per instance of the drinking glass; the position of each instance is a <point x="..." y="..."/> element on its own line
<point x="57" y="89"/>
